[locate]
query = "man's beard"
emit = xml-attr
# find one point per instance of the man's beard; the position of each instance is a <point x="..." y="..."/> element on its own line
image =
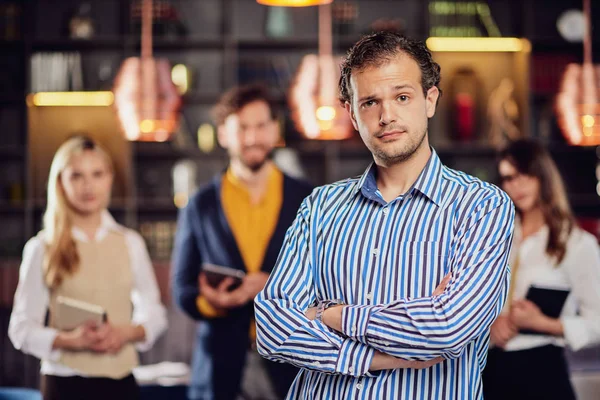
<point x="400" y="155"/>
<point x="256" y="165"/>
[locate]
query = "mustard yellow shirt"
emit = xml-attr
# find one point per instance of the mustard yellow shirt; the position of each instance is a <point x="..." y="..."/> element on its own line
<point x="252" y="224"/>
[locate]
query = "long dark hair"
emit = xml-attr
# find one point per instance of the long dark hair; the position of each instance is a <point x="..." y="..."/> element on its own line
<point x="532" y="159"/>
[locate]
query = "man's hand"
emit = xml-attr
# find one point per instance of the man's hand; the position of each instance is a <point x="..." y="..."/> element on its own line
<point x="254" y="283"/>
<point x="502" y="330"/>
<point x="220" y="297"/>
<point x="442" y="286"/>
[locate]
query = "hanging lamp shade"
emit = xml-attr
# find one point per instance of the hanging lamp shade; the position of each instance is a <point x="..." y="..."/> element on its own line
<point x="313" y="99"/>
<point x="293" y="3"/>
<point x="145" y="98"/>
<point x="578" y="101"/>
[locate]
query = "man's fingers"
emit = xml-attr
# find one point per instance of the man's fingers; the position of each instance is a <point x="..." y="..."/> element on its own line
<point x="442" y="286"/>
<point x="225" y="284"/>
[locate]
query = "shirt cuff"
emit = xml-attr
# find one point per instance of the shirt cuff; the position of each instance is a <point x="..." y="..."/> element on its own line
<point x="149" y="338"/>
<point x="354" y="358"/>
<point x="576" y="332"/>
<point x="355" y="321"/>
<point x="40" y="343"/>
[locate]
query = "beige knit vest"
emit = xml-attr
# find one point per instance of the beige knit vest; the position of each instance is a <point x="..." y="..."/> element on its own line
<point x="104" y="278"/>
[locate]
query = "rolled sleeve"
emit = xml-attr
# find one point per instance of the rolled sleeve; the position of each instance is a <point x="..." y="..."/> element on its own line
<point x="355" y="322"/>
<point x="354" y="359"/>
<point x="148" y="311"/>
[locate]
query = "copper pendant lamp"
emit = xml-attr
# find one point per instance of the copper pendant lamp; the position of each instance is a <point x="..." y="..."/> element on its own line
<point x="313" y="99"/>
<point x="293" y="3"/>
<point x="578" y="101"/>
<point x="146" y="100"/>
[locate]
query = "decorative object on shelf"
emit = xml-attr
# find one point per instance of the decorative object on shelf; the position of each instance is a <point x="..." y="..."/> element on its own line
<point x="81" y="24"/>
<point x="159" y="237"/>
<point x="503" y="114"/>
<point x="570" y="25"/>
<point x="293" y="3"/>
<point x="345" y="14"/>
<point x="146" y="100"/>
<point x="313" y="96"/>
<point x="184" y="182"/>
<point x="278" y="23"/>
<point x="464" y="98"/>
<point x="578" y="101"/>
<point x="461" y="19"/>
<point x="56" y="72"/>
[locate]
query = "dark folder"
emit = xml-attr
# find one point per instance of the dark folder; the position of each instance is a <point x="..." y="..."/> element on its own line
<point x="550" y="302"/>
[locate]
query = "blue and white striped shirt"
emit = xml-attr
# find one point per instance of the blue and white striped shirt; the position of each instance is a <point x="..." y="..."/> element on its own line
<point x="385" y="260"/>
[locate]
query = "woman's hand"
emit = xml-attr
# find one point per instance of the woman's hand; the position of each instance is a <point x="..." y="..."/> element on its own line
<point x="81" y="338"/>
<point x="112" y="338"/>
<point x="502" y="330"/>
<point x="526" y="315"/>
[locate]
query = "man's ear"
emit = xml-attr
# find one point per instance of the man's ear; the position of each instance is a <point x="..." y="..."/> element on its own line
<point x="222" y="136"/>
<point x="431" y="101"/>
<point x="350" y="111"/>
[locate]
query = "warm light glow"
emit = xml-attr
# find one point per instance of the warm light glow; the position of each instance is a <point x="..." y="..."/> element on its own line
<point x="478" y="44"/>
<point x="73" y="99"/>
<point x="588" y="121"/>
<point x="206" y="138"/>
<point x="180" y="77"/>
<point x="147" y="126"/>
<point x="293" y="3"/>
<point x="325" y="113"/>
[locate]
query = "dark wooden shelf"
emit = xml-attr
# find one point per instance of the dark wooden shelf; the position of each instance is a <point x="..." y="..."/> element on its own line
<point x="77" y="44"/>
<point x="184" y="43"/>
<point x="7" y="45"/>
<point x="290" y="43"/>
<point x="157" y="206"/>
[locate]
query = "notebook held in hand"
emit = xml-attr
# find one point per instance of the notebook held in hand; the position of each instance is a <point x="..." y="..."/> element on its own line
<point x="550" y="302"/>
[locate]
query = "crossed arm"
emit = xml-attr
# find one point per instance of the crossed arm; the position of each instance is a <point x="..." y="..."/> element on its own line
<point x="354" y="340"/>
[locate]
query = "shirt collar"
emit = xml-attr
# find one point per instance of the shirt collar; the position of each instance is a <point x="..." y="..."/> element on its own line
<point x="107" y="224"/>
<point x="428" y="182"/>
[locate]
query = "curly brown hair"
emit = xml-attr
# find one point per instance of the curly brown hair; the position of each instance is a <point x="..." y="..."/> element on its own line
<point x="378" y="48"/>
<point x="238" y="97"/>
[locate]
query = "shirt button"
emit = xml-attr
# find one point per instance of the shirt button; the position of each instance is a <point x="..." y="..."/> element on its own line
<point x="351" y="370"/>
<point x="359" y="386"/>
<point x="375" y="251"/>
<point x="370" y="296"/>
<point x="386" y="211"/>
<point x="353" y="329"/>
<point x="316" y="363"/>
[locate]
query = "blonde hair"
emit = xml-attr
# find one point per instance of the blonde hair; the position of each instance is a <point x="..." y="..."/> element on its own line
<point x="61" y="257"/>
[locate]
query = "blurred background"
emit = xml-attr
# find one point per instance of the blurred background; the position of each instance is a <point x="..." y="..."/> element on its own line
<point x="502" y="63"/>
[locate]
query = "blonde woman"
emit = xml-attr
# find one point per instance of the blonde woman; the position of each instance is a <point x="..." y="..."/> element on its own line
<point x="83" y="254"/>
<point x="549" y="251"/>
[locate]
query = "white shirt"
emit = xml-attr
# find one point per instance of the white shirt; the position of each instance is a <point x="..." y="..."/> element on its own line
<point x="579" y="272"/>
<point x="26" y="328"/>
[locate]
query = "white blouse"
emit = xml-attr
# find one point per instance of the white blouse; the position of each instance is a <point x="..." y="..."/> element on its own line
<point x="26" y="328"/>
<point x="579" y="272"/>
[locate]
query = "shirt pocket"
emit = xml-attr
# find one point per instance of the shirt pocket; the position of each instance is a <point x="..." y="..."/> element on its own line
<point x="424" y="265"/>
